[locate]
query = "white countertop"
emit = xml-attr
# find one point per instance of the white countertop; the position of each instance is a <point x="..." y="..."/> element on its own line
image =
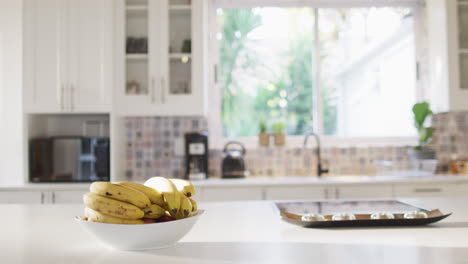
<point x="237" y="232"/>
<point x="277" y="181"/>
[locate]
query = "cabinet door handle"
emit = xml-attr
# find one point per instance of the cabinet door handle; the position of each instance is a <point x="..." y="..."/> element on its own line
<point x="153" y="91"/>
<point x="72" y="95"/>
<point x="163" y="88"/>
<point x="62" y="96"/>
<point x="427" y="190"/>
<point x="337" y="193"/>
<point x="53" y="197"/>
<point x="326" y="193"/>
<point x="42" y="197"/>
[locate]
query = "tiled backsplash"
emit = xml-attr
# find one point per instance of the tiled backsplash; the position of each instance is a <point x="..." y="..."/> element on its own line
<point x="151" y="150"/>
<point x="451" y="136"/>
<point x="151" y="145"/>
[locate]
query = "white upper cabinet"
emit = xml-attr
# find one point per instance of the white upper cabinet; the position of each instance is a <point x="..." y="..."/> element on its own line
<point x="68" y="56"/>
<point x="45" y="55"/>
<point x="160" y="57"/>
<point x="91" y="62"/>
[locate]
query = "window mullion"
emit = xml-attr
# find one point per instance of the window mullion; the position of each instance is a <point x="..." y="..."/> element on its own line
<point x="317" y="98"/>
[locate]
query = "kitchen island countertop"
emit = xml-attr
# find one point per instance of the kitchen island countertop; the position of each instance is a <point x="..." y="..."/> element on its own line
<point x="237" y="232"/>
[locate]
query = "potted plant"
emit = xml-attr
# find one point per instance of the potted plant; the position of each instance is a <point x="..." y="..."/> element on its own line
<point x="279" y="136"/>
<point x="421" y="112"/>
<point x="263" y="136"/>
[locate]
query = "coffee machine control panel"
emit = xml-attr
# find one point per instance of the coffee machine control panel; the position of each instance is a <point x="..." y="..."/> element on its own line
<point x="197" y="149"/>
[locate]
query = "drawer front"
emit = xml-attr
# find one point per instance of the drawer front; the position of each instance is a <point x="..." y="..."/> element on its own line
<point x="22" y="197"/>
<point x="368" y="191"/>
<point x="295" y="193"/>
<point x="430" y="190"/>
<point x="68" y="197"/>
<point x="231" y="194"/>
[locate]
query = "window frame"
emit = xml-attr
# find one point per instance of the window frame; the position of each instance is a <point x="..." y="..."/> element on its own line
<point x="217" y="140"/>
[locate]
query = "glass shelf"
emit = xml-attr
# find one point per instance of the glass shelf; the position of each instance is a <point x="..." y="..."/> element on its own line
<point x="180" y="7"/>
<point x="142" y="56"/>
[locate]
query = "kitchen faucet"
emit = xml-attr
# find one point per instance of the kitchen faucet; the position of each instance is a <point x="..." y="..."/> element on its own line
<point x="320" y="171"/>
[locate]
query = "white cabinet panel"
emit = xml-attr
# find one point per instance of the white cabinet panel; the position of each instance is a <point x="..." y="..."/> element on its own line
<point x="165" y="76"/>
<point x="68" y="56"/>
<point x="430" y="190"/>
<point x="22" y="197"/>
<point x="45" y="55"/>
<point x="90" y="54"/>
<point x="232" y="194"/>
<point x="68" y="197"/>
<point x="366" y="191"/>
<point x="295" y="193"/>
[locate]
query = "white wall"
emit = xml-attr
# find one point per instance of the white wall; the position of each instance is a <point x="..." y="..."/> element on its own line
<point x="11" y="120"/>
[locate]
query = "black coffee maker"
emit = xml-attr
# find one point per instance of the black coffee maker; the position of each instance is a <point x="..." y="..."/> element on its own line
<point x="196" y="155"/>
<point x="233" y="165"/>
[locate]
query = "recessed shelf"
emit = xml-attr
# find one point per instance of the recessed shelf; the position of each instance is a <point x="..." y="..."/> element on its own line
<point x="136" y="7"/>
<point x="135" y="10"/>
<point x="179" y="55"/>
<point x="180" y="7"/>
<point x="142" y="56"/>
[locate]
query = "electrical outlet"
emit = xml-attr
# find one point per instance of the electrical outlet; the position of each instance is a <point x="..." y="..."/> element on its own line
<point x="179" y="146"/>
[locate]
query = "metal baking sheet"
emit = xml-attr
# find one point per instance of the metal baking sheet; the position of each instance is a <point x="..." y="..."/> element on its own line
<point x="292" y="212"/>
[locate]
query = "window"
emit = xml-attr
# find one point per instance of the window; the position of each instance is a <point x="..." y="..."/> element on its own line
<point x="347" y="72"/>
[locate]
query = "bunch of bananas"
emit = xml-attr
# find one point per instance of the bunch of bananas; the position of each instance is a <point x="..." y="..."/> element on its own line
<point x="157" y="200"/>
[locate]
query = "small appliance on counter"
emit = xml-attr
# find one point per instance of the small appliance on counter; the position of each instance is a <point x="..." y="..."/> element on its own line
<point x="196" y="155"/>
<point x="69" y="159"/>
<point x="233" y="165"/>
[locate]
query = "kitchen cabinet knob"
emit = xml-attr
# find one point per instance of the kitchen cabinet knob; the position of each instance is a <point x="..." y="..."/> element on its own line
<point x="427" y="190"/>
<point x="163" y="88"/>
<point x="153" y="91"/>
<point x="62" y="96"/>
<point x="72" y="95"/>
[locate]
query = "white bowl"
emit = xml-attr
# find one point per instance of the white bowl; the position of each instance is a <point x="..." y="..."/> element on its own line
<point x="141" y="237"/>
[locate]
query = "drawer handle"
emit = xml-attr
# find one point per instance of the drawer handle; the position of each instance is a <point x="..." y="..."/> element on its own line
<point x="427" y="190"/>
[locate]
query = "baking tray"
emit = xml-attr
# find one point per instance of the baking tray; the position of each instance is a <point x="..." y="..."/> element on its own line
<point x="292" y="212"/>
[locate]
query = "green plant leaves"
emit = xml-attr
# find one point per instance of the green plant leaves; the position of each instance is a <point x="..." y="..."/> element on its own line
<point x="421" y="111"/>
<point x="425" y="133"/>
<point x="278" y="127"/>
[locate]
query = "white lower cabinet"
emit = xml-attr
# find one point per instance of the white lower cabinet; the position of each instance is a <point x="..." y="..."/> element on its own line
<point x="42" y="197"/>
<point x="359" y="192"/>
<point x="240" y="193"/>
<point x="22" y="197"/>
<point x="231" y="194"/>
<point x="295" y="193"/>
<point x="68" y="197"/>
<point x="430" y="190"/>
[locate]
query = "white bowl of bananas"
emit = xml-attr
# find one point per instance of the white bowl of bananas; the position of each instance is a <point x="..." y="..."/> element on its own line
<point x="133" y="216"/>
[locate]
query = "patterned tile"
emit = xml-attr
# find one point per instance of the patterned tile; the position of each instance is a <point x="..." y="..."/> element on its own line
<point x="150" y="150"/>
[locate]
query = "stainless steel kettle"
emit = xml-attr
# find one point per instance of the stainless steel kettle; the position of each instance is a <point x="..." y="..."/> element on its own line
<point x="233" y="165"/>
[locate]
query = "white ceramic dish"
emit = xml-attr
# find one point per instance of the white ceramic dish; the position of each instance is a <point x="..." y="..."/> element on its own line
<point x="141" y="237"/>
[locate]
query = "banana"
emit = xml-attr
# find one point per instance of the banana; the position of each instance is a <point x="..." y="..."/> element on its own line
<point x="194" y="205"/>
<point x="121" y="193"/>
<point x="102" y="218"/>
<point x="154" y="195"/>
<point x="154" y="211"/>
<point x="112" y="207"/>
<point x="170" y="193"/>
<point x="185" y="207"/>
<point x="184" y="186"/>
